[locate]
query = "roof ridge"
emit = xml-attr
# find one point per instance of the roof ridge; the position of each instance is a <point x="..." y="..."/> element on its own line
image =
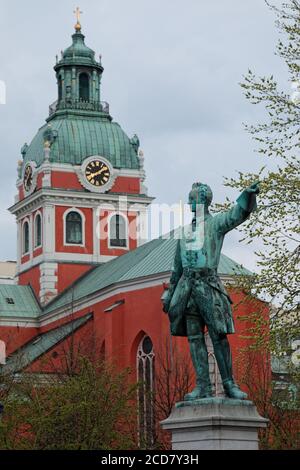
<point x="143" y="260"/>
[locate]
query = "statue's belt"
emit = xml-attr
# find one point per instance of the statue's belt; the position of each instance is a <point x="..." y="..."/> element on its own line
<point x="206" y="275"/>
<point x="198" y="273"/>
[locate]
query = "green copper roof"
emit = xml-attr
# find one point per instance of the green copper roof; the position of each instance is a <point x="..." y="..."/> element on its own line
<point x="78" y="53"/>
<point x="39" y="345"/>
<point x="152" y="258"/>
<point x="18" y="301"/>
<point x="79" y="137"/>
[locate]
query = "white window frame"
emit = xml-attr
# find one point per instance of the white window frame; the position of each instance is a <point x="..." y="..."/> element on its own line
<point x="74" y="209"/>
<point x="126" y="247"/>
<point x="23" y="252"/>
<point x="35" y="246"/>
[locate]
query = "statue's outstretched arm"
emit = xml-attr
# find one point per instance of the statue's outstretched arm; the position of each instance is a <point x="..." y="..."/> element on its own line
<point x="246" y="203"/>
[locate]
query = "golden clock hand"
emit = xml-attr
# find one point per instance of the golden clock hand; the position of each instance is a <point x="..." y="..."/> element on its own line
<point x="103" y="169"/>
<point x="96" y="173"/>
<point x="92" y="175"/>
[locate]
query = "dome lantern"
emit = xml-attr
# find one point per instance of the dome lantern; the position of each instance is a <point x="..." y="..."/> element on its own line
<point x="78" y="76"/>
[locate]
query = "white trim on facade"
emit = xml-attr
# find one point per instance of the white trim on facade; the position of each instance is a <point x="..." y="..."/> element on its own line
<point x="69" y="168"/>
<point x="19" y="244"/>
<point x="90" y="301"/>
<point x="48" y="282"/>
<point x="31" y="236"/>
<point x="62" y="257"/>
<point x="49" y="229"/>
<point x="22" y="323"/>
<point x="96" y="297"/>
<point x="125" y="218"/>
<point x="65" y="214"/>
<point x="142" y="225"/>
<point x="60" y="197"/>
<point x="96" y="240"/>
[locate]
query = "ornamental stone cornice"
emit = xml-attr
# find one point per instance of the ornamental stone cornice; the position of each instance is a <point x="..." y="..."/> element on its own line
<point x="80" y="198"/>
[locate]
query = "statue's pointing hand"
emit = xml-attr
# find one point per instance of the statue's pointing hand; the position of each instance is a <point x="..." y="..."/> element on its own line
<point x="254" y="188"/>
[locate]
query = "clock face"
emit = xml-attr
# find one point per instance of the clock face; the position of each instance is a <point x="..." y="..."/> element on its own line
<point x="97" y="173"/>
<point x="28" y="177"/>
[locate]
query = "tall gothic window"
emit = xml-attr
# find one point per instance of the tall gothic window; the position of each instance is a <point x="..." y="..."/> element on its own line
<point x="118" y="237"/>
<point x="25" y="237"/>
<point x="84" y="87"/>
<point x="73" y="229"/>
<point x="145" y="376"/>
<point x="37" y="231"/>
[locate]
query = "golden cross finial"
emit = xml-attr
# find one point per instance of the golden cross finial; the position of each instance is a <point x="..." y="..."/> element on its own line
<point x="77" y="12"/>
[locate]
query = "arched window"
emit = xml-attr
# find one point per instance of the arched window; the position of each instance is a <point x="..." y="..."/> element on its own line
<point x="73" y="228"/>
<point x="84" y="87"/>
<point x="59" y="88"/>
<point x="117" y="231"/>
<point x="25" y="238"/>
<point x="145" y="376"/>
<point x="38" y="231"/>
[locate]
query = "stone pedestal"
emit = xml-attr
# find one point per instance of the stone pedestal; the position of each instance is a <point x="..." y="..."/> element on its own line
<point x="214" y="424"/>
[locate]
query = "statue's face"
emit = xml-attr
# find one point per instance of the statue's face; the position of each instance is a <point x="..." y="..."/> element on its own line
<point x="201" y="194"/>
<point x="192" y="204"/>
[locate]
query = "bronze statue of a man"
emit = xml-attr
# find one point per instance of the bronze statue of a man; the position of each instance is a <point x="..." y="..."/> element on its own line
<point x="196" y="297"/>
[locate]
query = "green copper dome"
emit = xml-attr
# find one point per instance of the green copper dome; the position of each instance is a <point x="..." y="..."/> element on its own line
<point x="77" y="138"/>
<point x="79" y="124"/>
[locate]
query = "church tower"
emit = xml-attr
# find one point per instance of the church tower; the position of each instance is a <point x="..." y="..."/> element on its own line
<point x="81" y="199"/>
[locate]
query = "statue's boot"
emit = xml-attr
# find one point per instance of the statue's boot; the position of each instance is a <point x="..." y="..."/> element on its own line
<point x="232" y="390"/>
<point x="224" y="360"/>
<point x="200" y="361"/>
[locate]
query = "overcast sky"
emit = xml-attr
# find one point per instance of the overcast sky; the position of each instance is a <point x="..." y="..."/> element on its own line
<point x="172" y="69"/>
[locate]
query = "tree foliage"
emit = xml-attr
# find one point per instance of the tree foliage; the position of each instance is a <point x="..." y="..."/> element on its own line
<point x="90" y="409"/>
<point x="272" y="399"/>
<point x="275" y="223"/>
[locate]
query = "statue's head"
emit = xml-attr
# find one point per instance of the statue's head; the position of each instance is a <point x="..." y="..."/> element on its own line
<point x="200" y="194"/>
